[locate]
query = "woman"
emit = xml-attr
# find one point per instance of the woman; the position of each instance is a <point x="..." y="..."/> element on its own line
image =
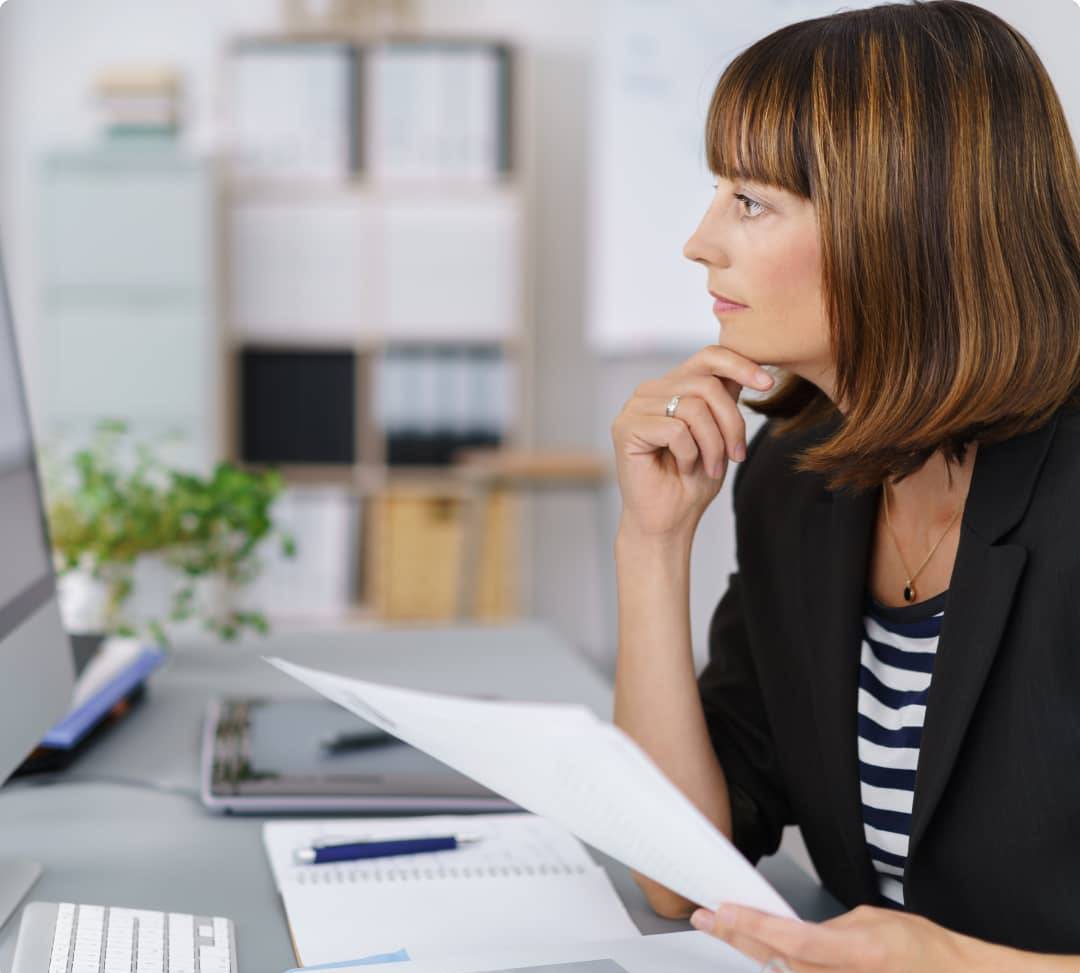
<point x="897" y="213"/>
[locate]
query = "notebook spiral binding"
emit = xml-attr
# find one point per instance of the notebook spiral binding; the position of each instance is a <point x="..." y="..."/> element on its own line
<point x="321" y="875"/>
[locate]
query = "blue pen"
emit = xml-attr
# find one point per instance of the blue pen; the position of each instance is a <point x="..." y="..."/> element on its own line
<point x="355" y="850"/>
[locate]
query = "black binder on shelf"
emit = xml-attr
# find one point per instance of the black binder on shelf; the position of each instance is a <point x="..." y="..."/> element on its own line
<point x="298" y="406"/>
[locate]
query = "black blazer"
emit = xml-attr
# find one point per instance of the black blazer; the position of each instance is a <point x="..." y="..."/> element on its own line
<point x="994" y="850"/>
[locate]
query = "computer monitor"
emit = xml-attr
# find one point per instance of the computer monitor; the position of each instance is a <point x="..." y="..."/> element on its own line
<point x="36" y="663"/>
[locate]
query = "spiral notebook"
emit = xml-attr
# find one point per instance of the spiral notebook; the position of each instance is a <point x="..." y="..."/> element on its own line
<point x="528" y="881"/>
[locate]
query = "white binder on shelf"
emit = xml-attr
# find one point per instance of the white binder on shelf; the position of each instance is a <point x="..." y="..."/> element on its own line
<point x="436" y="112"/>
<point x="293" y="110"/>
<point x="464" y="389"/>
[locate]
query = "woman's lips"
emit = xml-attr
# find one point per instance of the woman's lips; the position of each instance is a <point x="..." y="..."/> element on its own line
<point x="723" y="303"/>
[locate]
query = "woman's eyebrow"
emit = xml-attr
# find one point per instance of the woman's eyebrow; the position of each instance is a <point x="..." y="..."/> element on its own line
<point x="738" y="177"/>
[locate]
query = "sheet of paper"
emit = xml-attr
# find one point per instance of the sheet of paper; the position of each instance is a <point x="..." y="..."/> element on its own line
<point x="431" y="915"/>
<point x="680" y="952"/>
<point x="513" y="844"/>
<point x="561" y="762"/>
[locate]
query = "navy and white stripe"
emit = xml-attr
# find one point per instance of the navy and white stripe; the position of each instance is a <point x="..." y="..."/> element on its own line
<point x="896" y="665"/>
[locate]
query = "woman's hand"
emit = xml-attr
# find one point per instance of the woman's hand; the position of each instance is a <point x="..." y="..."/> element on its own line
<point x="865" y="940"/>
<point x="671" y="469"/>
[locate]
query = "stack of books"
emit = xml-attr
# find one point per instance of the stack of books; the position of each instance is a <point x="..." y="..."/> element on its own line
<point x="139" y="100"/>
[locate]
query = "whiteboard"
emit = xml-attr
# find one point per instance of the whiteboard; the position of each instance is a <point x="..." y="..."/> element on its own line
<point x="656" y="66"/>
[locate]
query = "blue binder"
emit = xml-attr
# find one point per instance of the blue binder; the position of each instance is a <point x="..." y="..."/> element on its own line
<point x="76" y="726"/>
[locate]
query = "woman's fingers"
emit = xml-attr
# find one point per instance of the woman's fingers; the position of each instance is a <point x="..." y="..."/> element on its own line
<point x="650" y="432"/>
<point x="728" y="418"/>
<point x="697" y="415"/>
<point x="725" y="364"/>
<point x="709" y="389"/>
<point x="708" y="384"/>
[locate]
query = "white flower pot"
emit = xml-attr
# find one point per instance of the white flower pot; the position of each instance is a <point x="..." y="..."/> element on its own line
<point x="84" y="598"/>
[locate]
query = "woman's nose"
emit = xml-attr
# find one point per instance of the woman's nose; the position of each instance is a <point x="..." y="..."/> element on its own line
<point x="692" y="248"/>
<point x="702" y="247"/>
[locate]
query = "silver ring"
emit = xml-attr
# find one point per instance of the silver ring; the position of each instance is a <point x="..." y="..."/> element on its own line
<point x="776" y="965"/>
<point x="673" y="404"/>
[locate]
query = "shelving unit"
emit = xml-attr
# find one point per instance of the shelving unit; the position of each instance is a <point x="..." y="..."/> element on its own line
<point x="369" y="249"/>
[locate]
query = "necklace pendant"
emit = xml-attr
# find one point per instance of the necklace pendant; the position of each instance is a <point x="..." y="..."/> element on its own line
<point x="909" y="592"/>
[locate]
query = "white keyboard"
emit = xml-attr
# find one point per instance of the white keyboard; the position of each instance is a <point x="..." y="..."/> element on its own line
<point x="66" y="938"/>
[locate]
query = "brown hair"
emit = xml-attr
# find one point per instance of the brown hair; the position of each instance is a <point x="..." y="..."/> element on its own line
<point x="947" y="189"/>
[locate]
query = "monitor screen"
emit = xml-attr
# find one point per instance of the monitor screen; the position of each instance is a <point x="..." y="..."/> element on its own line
<point x="26" y="577"/>
<point x="36" y="664"/>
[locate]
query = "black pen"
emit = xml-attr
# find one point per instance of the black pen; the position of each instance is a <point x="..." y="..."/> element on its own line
<point x="355" y="741"/>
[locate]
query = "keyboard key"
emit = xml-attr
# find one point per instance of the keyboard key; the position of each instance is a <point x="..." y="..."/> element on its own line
<point x="213" y="959"/>
<point x="181" y="943"/>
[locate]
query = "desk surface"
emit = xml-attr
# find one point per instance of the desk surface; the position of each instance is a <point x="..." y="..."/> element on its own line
<point x="124" y="826"/>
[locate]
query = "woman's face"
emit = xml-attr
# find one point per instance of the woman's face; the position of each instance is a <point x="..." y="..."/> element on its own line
<point x="759" y="245"/>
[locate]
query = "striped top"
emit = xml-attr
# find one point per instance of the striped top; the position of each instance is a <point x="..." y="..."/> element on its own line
<point x="897" y="661"/>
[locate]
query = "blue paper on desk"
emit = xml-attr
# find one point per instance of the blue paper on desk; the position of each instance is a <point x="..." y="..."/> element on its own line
<point x="401" y="956"/>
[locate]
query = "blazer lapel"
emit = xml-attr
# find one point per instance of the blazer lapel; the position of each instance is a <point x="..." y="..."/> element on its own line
<point x="981" y="592"/>
<point x="836" y="545"/>
<point x="837" y="536"/>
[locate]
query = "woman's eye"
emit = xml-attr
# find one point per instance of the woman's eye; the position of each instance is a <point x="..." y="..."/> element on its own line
<point x="745" y="200"/>
<point x="751" y="202"/>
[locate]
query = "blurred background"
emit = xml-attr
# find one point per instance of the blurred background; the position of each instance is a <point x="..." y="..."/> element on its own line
<point x="396" y="265"/>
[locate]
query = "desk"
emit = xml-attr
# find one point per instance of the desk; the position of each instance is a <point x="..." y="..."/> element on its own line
<point x="104" y="837"/>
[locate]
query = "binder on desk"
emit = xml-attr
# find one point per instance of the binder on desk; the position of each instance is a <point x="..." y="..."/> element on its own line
<point x="265" y="755"/>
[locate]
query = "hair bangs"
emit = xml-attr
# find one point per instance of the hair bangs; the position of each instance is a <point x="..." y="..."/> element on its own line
<point x="756" y="128"/>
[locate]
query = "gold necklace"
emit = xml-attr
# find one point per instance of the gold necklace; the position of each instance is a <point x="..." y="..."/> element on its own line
<point x="909" y="588"/>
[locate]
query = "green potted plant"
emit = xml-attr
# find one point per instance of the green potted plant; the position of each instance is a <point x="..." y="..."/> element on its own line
<point x="108" y="516"/>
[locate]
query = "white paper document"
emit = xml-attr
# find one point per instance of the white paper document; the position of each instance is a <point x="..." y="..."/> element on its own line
<point x="560" y="761"/>
<point x="526" y="881"/>
<point x="679" y="952"/>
